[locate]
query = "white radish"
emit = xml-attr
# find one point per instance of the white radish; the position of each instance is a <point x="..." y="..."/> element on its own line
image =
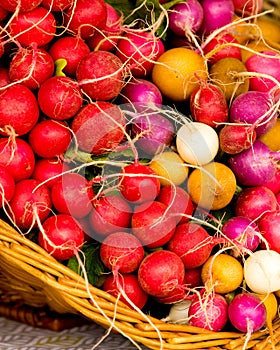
<point x="178" y="312"/>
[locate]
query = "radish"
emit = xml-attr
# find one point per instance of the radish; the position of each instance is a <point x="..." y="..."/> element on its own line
<point x="129" y="286"/>
<point x="30" y="203"/>
<point x="49" y="138"/>
<point x="19" y="120"/>
<point x="60" y="98"/>
<point x="235" y="138"/>
<point x="248" y="7"/>
<point x="84" y="17"/>
<point x="69" y="48"/>
<point x="121" y="252"/>
<point x="36" y="26"/>
<point x="4" y="76"/>
<point x="208" y="311"/>
<point x="7" y="186"/>
<point x="21" y="6"/>
<point x="100" y="75"/>
<point x="208" y="105"/>
<point x="193" y="277"/>
<point x="160" y="272"/>
<point x="254" y="201"/>
<point x="110" y="213"/>
<point x="269" y="227"/>
<point x="178" y="312"/>
<point x="3" y="13"/>
<point x="138" y="183"/>
<point x="72" y="195"/>
<point x="61" y="236"/>
<point x="150" y="225"/>
<point x="31" y="67"/>
<point x="108" y="123"/>
<point x="255" y="165"/>
<point x="57" y="5"/>
<point x="17" y="157"/>
<point x="274" y="183"/>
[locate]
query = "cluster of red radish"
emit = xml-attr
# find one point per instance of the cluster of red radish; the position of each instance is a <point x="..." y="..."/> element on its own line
<point x="76" y="97"/>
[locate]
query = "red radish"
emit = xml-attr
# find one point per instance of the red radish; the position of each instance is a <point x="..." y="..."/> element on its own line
<point x="235" y="138"/>
<point x="210" y="311"/>
<point x="17" y="157"/>
<point x="192" y="243"/>
<point x="138" y="183"/>
<point x="139" y="51"/>
<point x="3" y="13"/>
<point x="160" y="272"/>
<point x="60" y="97"/>
<point x="110" y="213"/>
<point x="31" y="66"/>
<point x="4" y="76"/>
<point x="193" y="277"/>
<point x="268" y="65"/>
<point x="150" y="224"/>
<point x="70" y="48"/>
<point x="254" y="166"/>
<point x="253" y="202"/>
<point x="57" y="5"/>
<point x="254" y="108"/>
<point x="29" y="204"/>
<point x="107" y="38"/>
<point x="208" y="105"/>
<point x="121" y="252"/>
<point x="178" y="201"/>
<point x="48" y="170"/>
<point x="61" y="236"/>
<point x="36" y="26"/>
<point x="128" y="284"/>
<point x="100" y="75"/>
<point x="269" y="227"/>
<point x="7" y="186"/>
<point x="84" y="16"/>
<point x="220" y="47"/>
<point x="153" y="132"/>
<point x="72" y="195"/>
<point x="21" y="6"/>
<point x="49" y="138"/>
<point x="274" y="183"/>
<point x="19" y="120"/>
<point x="247" y="313"/>
<point x="216" y="14"/>
<point x="248" y="7"/>
<point x="185" y="17"/>
<point x="108" y="123"/>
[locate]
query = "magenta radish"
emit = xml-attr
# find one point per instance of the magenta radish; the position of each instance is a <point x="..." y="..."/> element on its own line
<point x="192" y="243"/>
<point x="61" y="236"/>
<point x="274" y="183"/>
<point x="138" y="51"/>
<point x="247" y="313"/>
<point x="253" y="202"/>
<point x="69" y="48"/>
<point x="84" y="16"/>
<point x="121" y="252"/>
<point x="7" y="186"/>
<point x="57" y="5"/>
<point x="160" y="272"/>
<point x="255" y="165"/>
<point x="30" y="203"/>
<point x="151" y="225"/>
<point x="18" y="120"/>
<point x="253" y="108"/>
<point x="138" y="183"/>
<point x="100" y="75"/>
<point x="36" y="26"/>
<point x="60" y="97"/>
<point x="208" y="105"/>
<point x="178" y="202"/>
<point x="269" y="227"/>
<point x="235" y="138"/>
<point x="108" y="123"/>
<point x="209" y="311"/>
<point x="17" y="156"/>
<point x="110" y="213"/>
<point x="126" y="284"/>
<point x="31" y="67"/>
<point x="22" y="6"/>
<point x="50" y="138"/>
<point x="153" y="132"/>
<point x="72" y="195"/>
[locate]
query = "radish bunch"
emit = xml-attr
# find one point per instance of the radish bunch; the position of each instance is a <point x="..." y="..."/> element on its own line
<point x="84" y="131"/>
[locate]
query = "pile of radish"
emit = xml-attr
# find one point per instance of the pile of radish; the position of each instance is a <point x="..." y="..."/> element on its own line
<point x="99" y="148"/>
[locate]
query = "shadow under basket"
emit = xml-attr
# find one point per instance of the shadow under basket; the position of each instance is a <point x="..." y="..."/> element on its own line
<point x="40" y="291"/>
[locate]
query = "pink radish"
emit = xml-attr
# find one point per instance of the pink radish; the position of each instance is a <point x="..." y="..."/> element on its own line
<point x="269" y="227"/>
<point x="18" y="120"/>
<point x="61" y="236"/>
<point x="236" y="138"/>
<point x="7" y="186"/>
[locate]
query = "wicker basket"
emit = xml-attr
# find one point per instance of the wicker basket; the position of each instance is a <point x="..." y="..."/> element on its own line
<point x="38" y="290"/>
